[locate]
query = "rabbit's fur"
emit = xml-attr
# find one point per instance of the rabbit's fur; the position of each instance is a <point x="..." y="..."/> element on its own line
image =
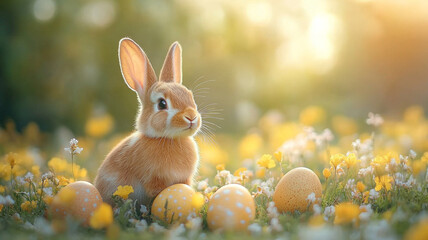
<point x="161" y="151"/>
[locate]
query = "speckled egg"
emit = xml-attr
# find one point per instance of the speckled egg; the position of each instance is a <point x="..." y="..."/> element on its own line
<point x="293" y="189"/>
<point x="78" y="199"/>
<point x="231" y="208"/>
<point x="174" y="203"/>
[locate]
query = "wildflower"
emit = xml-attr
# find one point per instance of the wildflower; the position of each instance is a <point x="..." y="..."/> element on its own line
<point x="11" y="159"/>
<point x="272" y="210"/>
<point x="374" y="120"/>
<point x="255" y="228"/>
<point x="194" y="223"/>
<point x="351" y="160"/>
<point x="312" y="115"/>
<point x="66" y="196"/>
<point x="278" y="156"/>
<point x="315" y="221"/>
<point x="419" y="231"/>
<point x="326" y="172"/>
<point x="336" y="159"/>
<point x="156" y="228"/>
<point x="260" y="173"/>
<point x="123" y="191"/>
<point x="73" y="149"/>
<point x="239" y="172"/>
<point x="198" y="200"/>
<point x="329" y="211"/>
<point x="141" y="225"/>
<point x="220" y="167"/>
<point x="48" y="199"/>
<point x="250" y="145"/>
<point x="102" y="217"/>
<point x="373" y="194"/>
<point x="365" y="212"/>
<point x="2" y="189"/>
<point x="311" y="198"/>
<point x="266" y="161"/>
<point x="383" y="182"/>
<point x="361" y="187"/>
<point x="365" y="171"/>
<point x="317" y="209"/>
<point x="28" y="206"/>
<point x="99" y="126"/>
<point x="6" y="200"/>
<point x="202" y="185"/>
<point x="276" y="225"/>
<point x="346" y="213"/>
<point x="29" y="177"/>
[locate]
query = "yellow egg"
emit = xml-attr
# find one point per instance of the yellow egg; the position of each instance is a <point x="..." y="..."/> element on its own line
<point x="231" y="208"/>
<point x="78" y="199"/>
<point x="174" y="203"/>
<point x="293" y="189"/>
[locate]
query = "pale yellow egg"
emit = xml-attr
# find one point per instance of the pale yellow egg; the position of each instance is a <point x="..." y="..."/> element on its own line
<point x="231" y="208"/>
<point x="174" y="203"/>
<point x="78" y="200"/>
<point x="293" y="189"/>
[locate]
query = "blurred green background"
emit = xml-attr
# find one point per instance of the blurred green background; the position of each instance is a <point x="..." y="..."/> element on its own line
<point x="59" y="64"/>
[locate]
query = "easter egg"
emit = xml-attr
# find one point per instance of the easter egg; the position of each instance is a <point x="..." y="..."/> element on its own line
<point x="293" y="189"/>
<point x="78" y="200"/>
<point x="231" y="208"/>
<point x="174" y="203"/>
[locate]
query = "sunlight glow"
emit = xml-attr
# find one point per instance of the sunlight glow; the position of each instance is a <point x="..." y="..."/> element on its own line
<point x="44" y="10"/>
<point x="259" y="13"/>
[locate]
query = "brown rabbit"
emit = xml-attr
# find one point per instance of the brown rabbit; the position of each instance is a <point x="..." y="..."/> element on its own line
<point x="162" y="151"/>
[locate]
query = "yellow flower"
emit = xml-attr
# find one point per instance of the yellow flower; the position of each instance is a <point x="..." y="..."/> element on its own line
<point x="379" y="161"/>
<point x="261" y="173"/>
<point x="220" y="167"/>
<point x="124" y="191"/>
<point x="250" y="145"/>
<point x="198" y="200"/>
<point x="28" y="206"/>
<point x="35" y="170"/>
<point x="316" y="221"/>
<point x="103" y="217"/>
<point x="418" y="166"/>
<point x="366" y="196"/>
<point x="266" y="161"/>
<point x="346" y="212"/>
<point x="63" y="181"/>
<point x="278" y="156"/>
<point x="239" y="171"/>
<point x="66" y="196"/>
<point x="344" y="126"/>
<point x="2" y="189"/>
<point x="11" y="159"/>
<point x="99" y="126"/>
<point x="326" y="172"/>
<point x="351" y="160"/>
<point x="48" y="199"/>
<point x="336" y="160"/>
<point x="312" y="115"/>
<point x="383" y="182"/>
<point x="361" y="187"/>
<point x="418" y="231"/>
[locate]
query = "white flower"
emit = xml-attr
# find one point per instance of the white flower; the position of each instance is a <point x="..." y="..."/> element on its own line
<point x="156" y="228"/>
<point x="373" y="194"/>
<point x="43" y="227"/>
<point x="350" y="184"/>
<point x="311" y="198"/>
<point x="366" y="212"/>
<point x="143" y="209"/>
<point x="29" y="176"/>
<point x="276" y="225"/>
<point x="202" y="185"/>
<point x="272" y="211"/>
<point x="365" y="171"/>
<point x="74" y="149"/>
<point x="48" y="191"/>
<point x="255" y="228"/>
<point x="374" y="119"/>
<point x="6" y="200"/>
<point x="329" y="211"/>
<point x="412" y="154"/>
<point x="141" y="225"/>
<point x="194" y="223"/>
<point x="317" y="209"/>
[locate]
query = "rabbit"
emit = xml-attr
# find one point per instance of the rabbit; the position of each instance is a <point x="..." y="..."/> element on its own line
<point x="162" y="150"/>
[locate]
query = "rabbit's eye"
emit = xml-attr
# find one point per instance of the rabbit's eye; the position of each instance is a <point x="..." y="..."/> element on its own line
<point x="162" y="104"/>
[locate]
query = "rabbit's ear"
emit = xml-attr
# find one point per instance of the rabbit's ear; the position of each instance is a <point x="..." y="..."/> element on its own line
<point x="171" y="70"/>
<point x="135" y="66"/>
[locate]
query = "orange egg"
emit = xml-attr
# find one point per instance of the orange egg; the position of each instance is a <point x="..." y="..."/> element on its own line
<point x="231" y="208"/>
<point x="293" y="189"/>
<point x="176" y="200"/>
<point x="78" y="199"/>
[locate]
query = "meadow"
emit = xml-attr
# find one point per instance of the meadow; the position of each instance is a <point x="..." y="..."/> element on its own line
<point x="373" y="173"/>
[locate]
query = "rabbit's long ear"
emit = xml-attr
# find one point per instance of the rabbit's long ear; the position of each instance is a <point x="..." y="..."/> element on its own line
<point x="135" y="66"/>
<point x="171" y="70"/>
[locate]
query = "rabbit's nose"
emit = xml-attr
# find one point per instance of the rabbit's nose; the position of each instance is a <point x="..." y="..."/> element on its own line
<point x="190" y="119"/>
